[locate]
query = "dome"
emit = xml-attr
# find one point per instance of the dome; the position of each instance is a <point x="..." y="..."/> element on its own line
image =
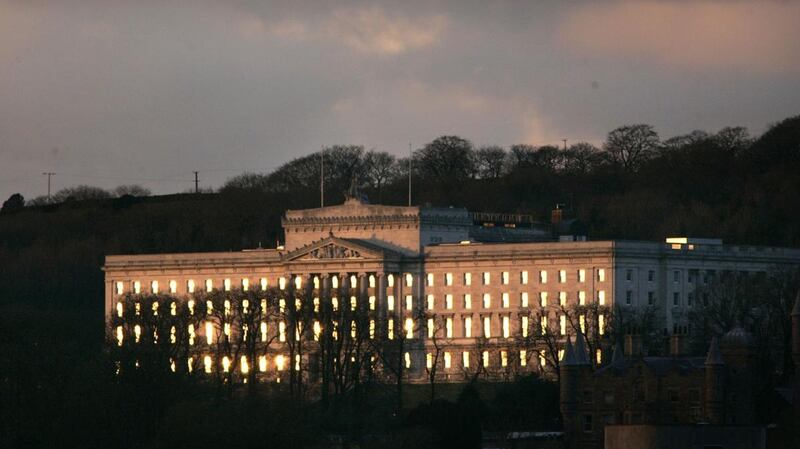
<point x="737" y="336"/>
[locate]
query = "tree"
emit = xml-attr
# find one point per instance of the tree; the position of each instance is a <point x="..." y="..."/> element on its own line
<point x="247" y="181"/>
<point x="490" y="162"/>
<point x="131" y="189"/>
<point x="379" y="168"/>
<point x="80" y="193"/>
<point x="733" y="139"/>
<point x="629" y="146"/>
<point x="14" y="203"/>
<point x="581" y="158"/>
<point x="447" y="159"/>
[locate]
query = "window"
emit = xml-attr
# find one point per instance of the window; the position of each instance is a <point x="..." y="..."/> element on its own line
<point x="523" y="299"/>
<point x="409" y="326"/>
<point x="581" y="275"/>
<point x="523" y="277"/>
<point x="372" y="282"/>
<point x="542" y="277"/>
<point x="468" y="327"/>
<point x="447" y="360"/>
<point x="587" y="423"/>
<point x="562" y="324"/>
<point x="465" y="359"/>
<point x="467" y="278"/>
<point x="407" y="357"/>
<point x="448" y="302"/>
<point x="601" y="324"/>
<point x="676" y="276"/>
<point x="601" y="274"/>
<point x="629" y="275"/>
<point x="523" y="357"/>
<point x="504" y="358"/>
<point x="582" y="298"/>
<point x="429" y="280"/>
<point x="487" y="327"/>
<point x="543" y="299"/>
<point x="562" y="276"/>
<point x="154" y="287"/>
<point x="173" y="286"/>
<point x="245" y="284"/>
<point x="523" y="326"/>
<point x="409" y="302"/>
<point x="689" y="299"/>
<point x="390" y="329"/>
<point x="582" y="323"/>
<point x="448" y="279"/>
<point x="467" y="301"/>
<point x="505" y="278"/>
<point x="506" y="301"/>
<point x="543" y="324"/>
<point x="137" y="287"/>
<point x="298" y="282"/>
<point x="190" y="286"/>
<point x="628" y="297"/>
<point x="506" y="327"/>
<point x="448" y="327"/>
<point x="601" y="297"/>
<point x="390" y="280"/>
<point x="282" y="282"/>
<point x="431" y="328"/>
<point x="430" y="302"/>
<point x="390" y="303"/>
<point x="562" y="298"/>
<point x="676" y="299"/>
<point x="409" y="280"/>
<point x="209" y="285"/>
<point x="485" y="357"/>
<point x="651" y="298"/>
<point x="587" y="396"/>
<point x="371" y="303"/>
<point x="487" y="301"/>
<point x="119" y="287"/>
<point x="487" y="278"/>
<point x="263" y="286"/>
<point x="651" y="275"/>
<point x="227" y="284"/>
<point x="282" y="331"/>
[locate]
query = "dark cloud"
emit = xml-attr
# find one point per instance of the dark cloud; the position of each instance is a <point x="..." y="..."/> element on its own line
<point x="102" y="91"/>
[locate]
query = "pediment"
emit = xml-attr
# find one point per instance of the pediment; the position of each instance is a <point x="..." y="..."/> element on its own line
<point x="333" y="248"/>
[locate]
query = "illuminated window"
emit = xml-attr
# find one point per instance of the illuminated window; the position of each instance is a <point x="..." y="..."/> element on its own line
<point x="226" y="364"/>
<point x="263" y="329"/>
<point x="298" y="282"/>
<point x="409" y="327"/>
<point x="449" y="327"/>
<point x="465" y="359"/>
<point x="523" y="299"/>
<point x="467" y="278"/>
<point x="506" y="327"/>
<point x="155" y="308"/>
<point x="297" y="362"/>
<point x="207" y="363"/>
<point x="154" y="287"/>
<point x="543" y="277"/>
<point x="430" y="302"/>
<point x="503" y="358"/>
<point x="316" y="304"/>
<point x="429" y="280"/>
<point x="209" y="285"/>
<point x="562" y="324"/>
<point x="138" y="308"/>
<point x="353" y="303"/>
<point x="353" y="329"/>
<point x="523" y="325"/>
<point x="562" y="276"/>
<point x="448" y="302"/>
<point x="120" y="336"/>
<point x="506" y="301"/>
<point x="245" y="284"/>
<point x="282" y="283"/>
<point x="601" y="324"/>
<point x="371" y="329"/>
<point x="485" y="357"/>
<point x="263" y="282"/>
<point x="119" y="309"/>
<point x="543" y="324"/>
<point x="409" y="280"/>
<point x="390" y="280"/>
<point x="582" y="298"/>
<point x="487" y="278"/>
<point x="227" y="307"/>
<point x="467" y="301"/>
<point x="448" y="279"/>
<point x="390" y="329"/>
<point x="264" y="306"/>
<point x="172" y="364"/>
<point x="581" y="275"/>
<point x="582" y="322"/>
<point x="601" y="274"/>
<point x="137" y="332"/>
<point x="120" y="287"/>
<point x="468" y="327"/>
<point x="245" y="305"/>
<point x="227" y="284"/>
<point x="353" y="281"/>
<point x="390" y="302"/>
<point x="190" y="286"/>
<point x="191" y="335"/>
<point x="428" y="360"/>
<point x="371" y="281"/>
<point x="371" y="303"/>
<point x="523" y="277"/>
<point x="523" y="357"/>
<point x="599" y="356"/>
<point x="190" y="303"/>
<point x="173" y="286"/>
<point x="173" y="308"/>
<point x="209" y="332"/>
<point x="487" y="301"/>
<point x="543" y="299"/>
<point x="487" y="327"/>
<point x="562" y="298"/>
<point x="244" y="367"/>
<point x="542" y="358"/>
<point x="560" y="355"/>
<point x="282" y="331"/>
<point x="409" y="302"/>
<point x="262" y="363"/>
<point x="282" y="305"/>
<point x="407" y="358"/>
<point x="431" y="328"/>
<point x="447" y="360"/>
<point x="601" y="297"/>
<point x="504" y="278"/>
<point x="280" y="362"/>
<point x="137" y="287"/>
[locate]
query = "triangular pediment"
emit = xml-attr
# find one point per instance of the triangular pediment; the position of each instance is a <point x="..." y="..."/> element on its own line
<point x="333" y="248"/>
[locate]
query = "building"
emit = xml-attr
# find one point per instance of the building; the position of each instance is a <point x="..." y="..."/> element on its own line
<point x="466" y="292"/>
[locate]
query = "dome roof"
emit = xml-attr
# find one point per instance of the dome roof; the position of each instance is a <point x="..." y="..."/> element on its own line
<point x="737" y="336"/>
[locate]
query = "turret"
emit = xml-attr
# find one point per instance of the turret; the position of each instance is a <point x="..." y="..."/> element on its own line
<point x="714" y="385"/>
<point x="738" y="351"/>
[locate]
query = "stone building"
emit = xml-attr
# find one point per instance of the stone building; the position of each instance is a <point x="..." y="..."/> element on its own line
<point x="478" y="287"/>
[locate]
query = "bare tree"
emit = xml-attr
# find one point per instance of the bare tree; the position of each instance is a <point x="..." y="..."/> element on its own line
<point x="490" y="162"/>
<point x="380" y="168"/>
<point x="629" y="146"/>
<point x="131" y="189"/>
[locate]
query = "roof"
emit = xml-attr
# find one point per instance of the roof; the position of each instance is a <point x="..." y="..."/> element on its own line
<point x="659" y="366"/>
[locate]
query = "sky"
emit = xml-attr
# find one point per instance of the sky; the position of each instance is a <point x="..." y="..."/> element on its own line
<point x="110" y="92"/>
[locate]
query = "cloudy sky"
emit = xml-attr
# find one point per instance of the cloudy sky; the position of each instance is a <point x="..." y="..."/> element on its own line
<point x="107" y="92"/>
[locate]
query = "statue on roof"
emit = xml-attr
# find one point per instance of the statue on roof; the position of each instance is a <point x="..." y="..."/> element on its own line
<point x="353" y="194"/>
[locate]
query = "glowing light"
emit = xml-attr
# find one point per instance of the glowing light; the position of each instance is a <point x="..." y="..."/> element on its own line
<point x="155" y="308"/>
<point x="173" y="308"/>
<point x="465" y="359"/>
<point x="353" y="303"/>
<point x="468" y="327"/>
<point x="120" y="336"/>
<point x="467" y="278"/>
<point x="280" y="361"/>
<point x="601" y="275"/>
<point x="353" y="281"/>
<point x="448" y="327"/>
<point x="244" y="366"/>
<point x="120" y="288"/>
<point x="429" y="360"/>
<point x="505" y="278"/>
<point x="227" y="284"/>
<point x="191" y="307"/>
<point x="298" y="282"/>
<point x="407" y="358"/>
<point x="245" y="306"/>
<point x="601" y="297"/>
<point x="227" y="329"/>
<point x="262" y="363"/>
<point x="543" y="299"/>
<point x="409" y="326"/>
<point x="227" y="306"/>
<point x="448" y="301"/>
<point x="137" y="331"/>
<point x="371" y="281"/>
<point x="316" y="304"/>
<point x="226" y="364"/>
<point x="207" y="363"/>
<point x="599" y="356"/>
<point x="523" y="357"/>
<point x="409" y="280"/>
<point x="263" y="284"/>
<point x="542" y="358"/>
<point x="298" y="304"/>
<point x="317" y="330"/>
<point x="172" y="364"/>
<point x="191" y="335"/>
<point x="209" y="332"/>
<point x="431" y="328"/>
<point x="447" y="360"/>
<point x="173" y="286"/>
<point x="119" y="309"/>
<point x="371" y="329"/>
<point x="353" y="329"/>
<point x="297" y="362"/>
<point x="506" y="327"/>
<point x="487" y="301"/>
<point x="138" y="307"/>
<point x="523" y="277"/>
<point x="543" y="324"/>
<point x="409" y="302"/>
<point x="209" y="285"/>
<point x="467" y="301"/>
<point x="485" y="357"/>
<point x="601" y="324"/>
<point x="506" y="301"/>
<point x="430" y="302"/>
<point x="190" y="286"/>
<point x="190" y="363"/>
<point x="390" y="303"/>
<point x="245" y="284"/>
<point x="209" y="307"/>
<point x="543" y="277"/>
<point x="487" y="327"/>
<point x="582" y="321"/>
<point x="390" y="280"/>
<point x="524" y="326"/>
<point x="562" y="324"/>
<point x="316" y="282"/>
<point x="390" y="330"/>
<point x="503" y="358"/>
<point x="282" y="331"/>
<point x="371" y="303"/>
<point x="335" y="281"/>
<point x="172" y="338"/>
<point x="562" y="298"/>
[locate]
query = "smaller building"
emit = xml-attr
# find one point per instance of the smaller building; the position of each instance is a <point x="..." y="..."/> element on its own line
<point x="647" y="436"/>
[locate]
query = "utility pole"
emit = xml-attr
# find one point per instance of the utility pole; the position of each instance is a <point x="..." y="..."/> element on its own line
<point x="196" y="183"/>
<point x="565" y="144"/>
<point x="322" y="177"/>
<point x="409" y="174"/>
<point x="49" y="175"/>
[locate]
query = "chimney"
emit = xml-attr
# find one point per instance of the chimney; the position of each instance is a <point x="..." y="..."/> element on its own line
<point x="556" y="215"/>
<point x="677" y="345"/>
<point x="633" y="345"/>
